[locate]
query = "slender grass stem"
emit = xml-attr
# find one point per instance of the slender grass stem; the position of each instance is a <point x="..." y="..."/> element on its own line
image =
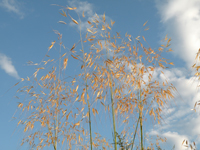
<point x="140" y="116"/>
<point x="90" y="126"/>
<point x="113" y="107"/>
<point x="86" y="88"/>
<point x="56" y="123"/>
<point x="135" y="133"/>
<point x="113" y="116"/>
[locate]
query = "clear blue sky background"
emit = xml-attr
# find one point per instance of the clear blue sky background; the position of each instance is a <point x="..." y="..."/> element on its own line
<point x="26" y="31"/>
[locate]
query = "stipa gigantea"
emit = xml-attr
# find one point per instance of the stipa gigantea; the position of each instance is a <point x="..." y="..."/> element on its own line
<point x="48" y="113"/>
<point x="113" y="71"/>
<point x="149" y="91"/>
<point x="110" y="70"/>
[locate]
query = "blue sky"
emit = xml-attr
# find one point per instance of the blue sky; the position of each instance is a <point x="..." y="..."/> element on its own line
<point x="26" y="31"/>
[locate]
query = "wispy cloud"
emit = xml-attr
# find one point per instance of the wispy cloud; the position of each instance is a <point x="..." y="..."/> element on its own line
<point x="85" y="7"/>
<point x="7" y="66"/>
<point x="82" y="6"/>
<point x="180" y="122"/>
<point x="181" y="19"/>
<point x="89" y="12"/>
<point x="12" y="6"/>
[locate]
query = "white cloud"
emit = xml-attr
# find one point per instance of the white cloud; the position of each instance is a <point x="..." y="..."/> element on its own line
<point x="173" y="138"/>
<point x="179" y="121"/>
<point x="181" y="19"/>
<point x="7" y="66"/>
<point x="82" y="6"/>
<point x="89" y="13"/>
<point x="12" y="6"/>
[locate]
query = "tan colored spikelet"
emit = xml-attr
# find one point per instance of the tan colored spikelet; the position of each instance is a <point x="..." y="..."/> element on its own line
<point x="112" y="22"/>
<point x="63" y="14"/>
<point x="108" y="26"/>
<point x="77" y="124"/>
<point x="104" y="18"/>
<point x="20" y="105"/>
<point x="76" y="22"/>
<point x="52" y="43"/>
<point x="145" y="23"/>
<point x="77" y="88"/>
<point x="193" y="65"/>
<point x="171" y="63"/>
<point x="74" y="57"/>
<point x="71" y="8"/>
<point x="89" y="22"/>
<point x="90" y="40"/>
<point x="73" y="47"/>
<point x="103" y="27"/>
<point x="83" y="14"/>
<point x="93" y="111"/>
<point x="89" y="30"/>
<point x="62" y="22"/>
<point x="144" y="38"/>
<point x="65" y="62"/>
<point x="147" y="28"/>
